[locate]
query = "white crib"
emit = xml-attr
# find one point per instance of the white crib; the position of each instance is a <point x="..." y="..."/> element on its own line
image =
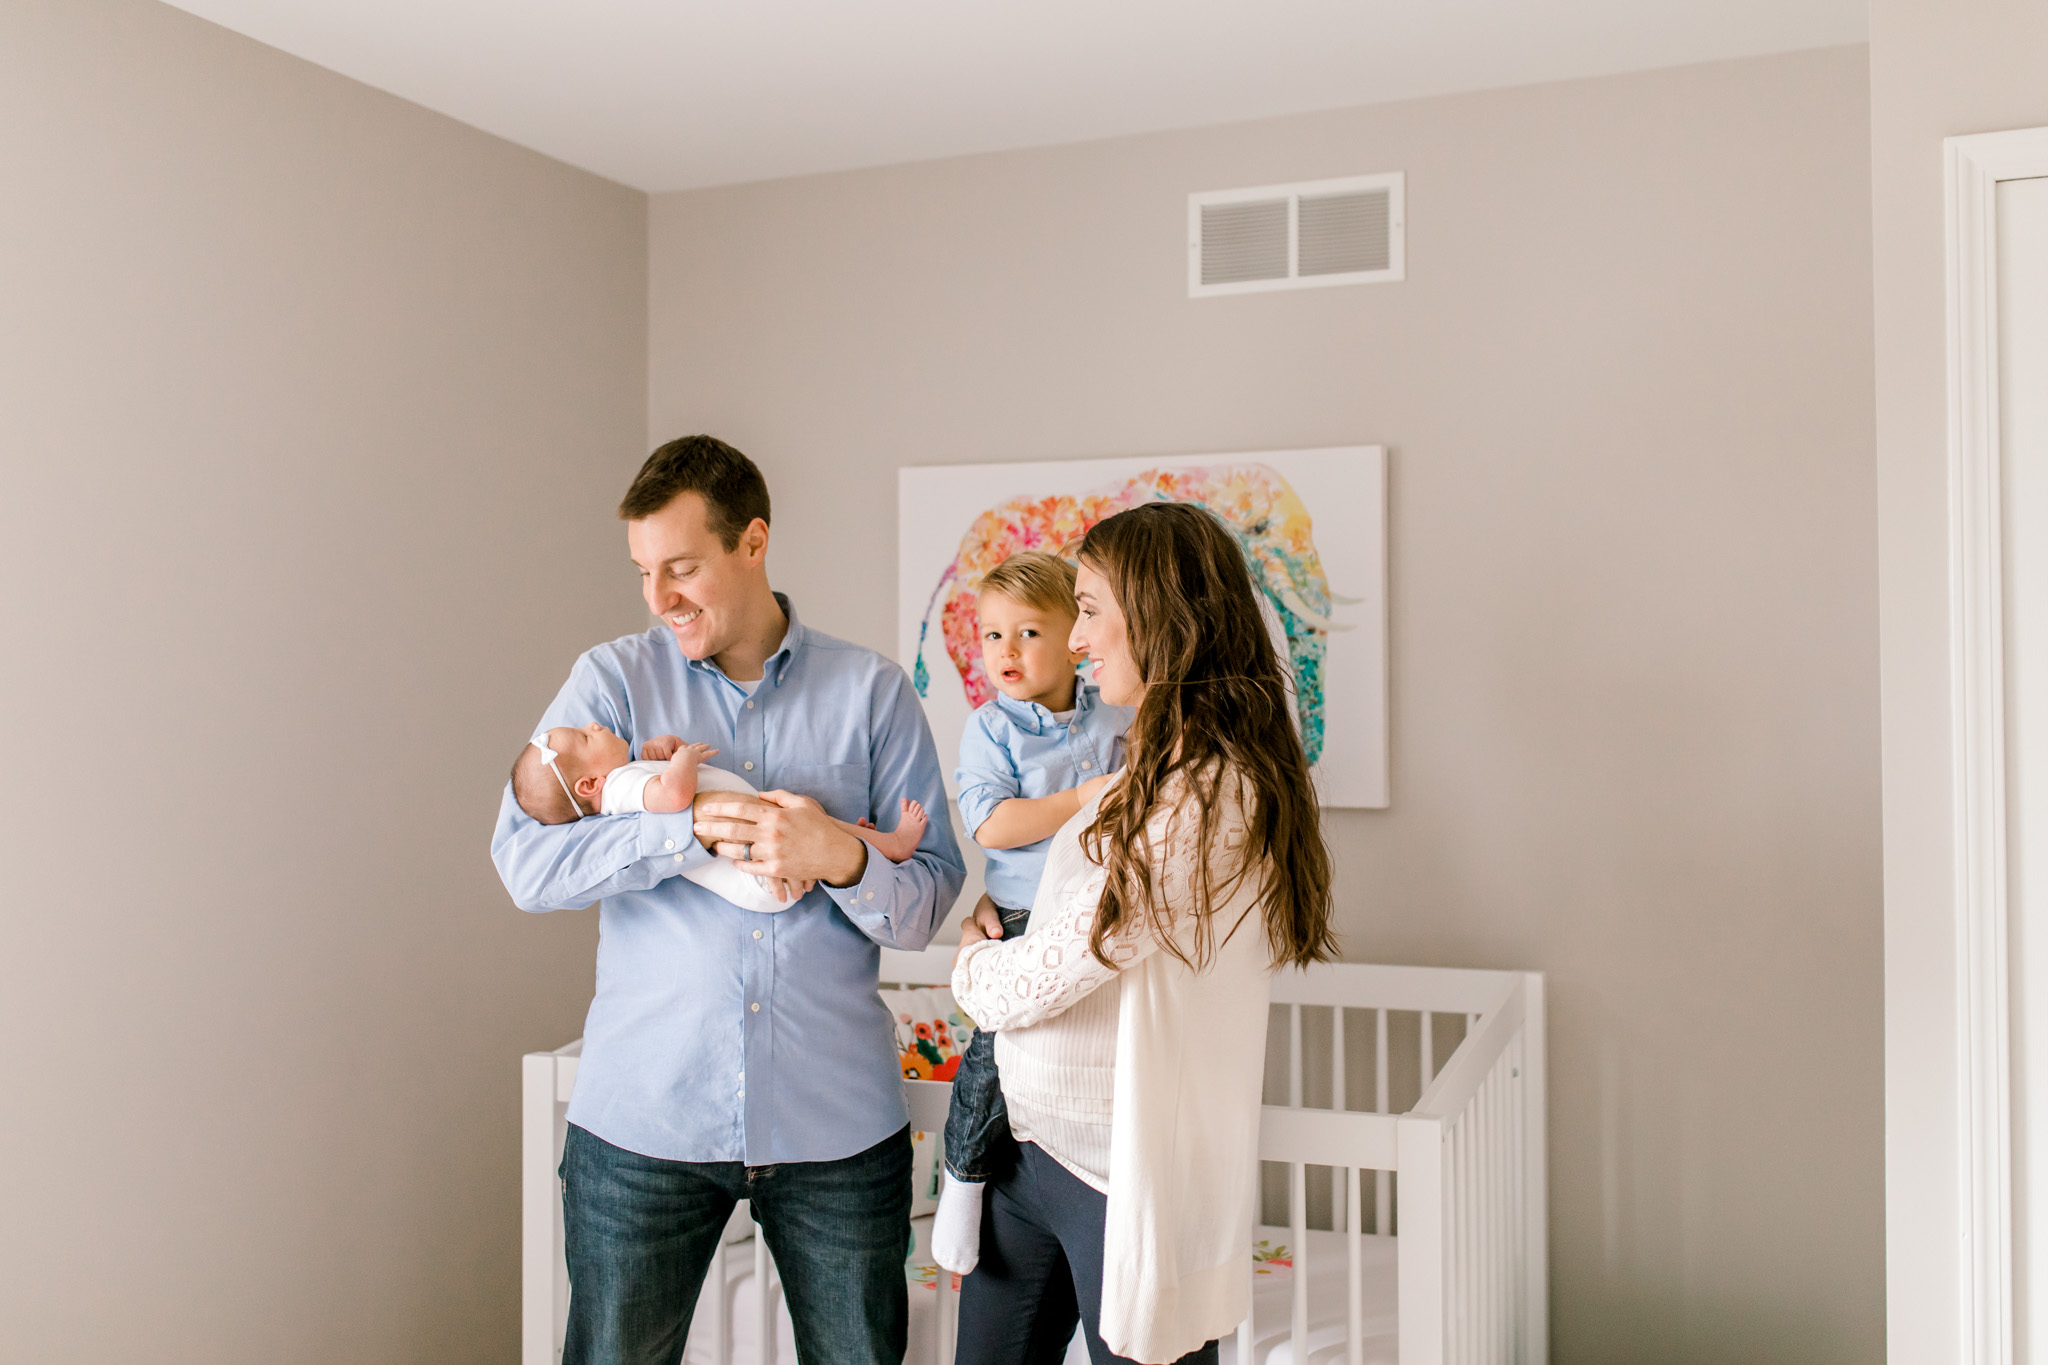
<point x="1462" y="1172"/>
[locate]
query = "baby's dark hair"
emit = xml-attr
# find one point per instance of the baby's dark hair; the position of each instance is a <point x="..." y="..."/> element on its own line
<point x="538" y="792"/>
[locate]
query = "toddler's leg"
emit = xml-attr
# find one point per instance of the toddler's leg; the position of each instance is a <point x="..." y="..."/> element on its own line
<point x="900" y="842"/>
<point x="977" y="1141"/>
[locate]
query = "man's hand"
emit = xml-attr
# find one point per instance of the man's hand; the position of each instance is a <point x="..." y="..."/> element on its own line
<point x="661" y="748"/>
<point x="781" y="834"/>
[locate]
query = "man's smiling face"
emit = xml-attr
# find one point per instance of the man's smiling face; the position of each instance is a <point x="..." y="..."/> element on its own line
<point x="690" y="579"/>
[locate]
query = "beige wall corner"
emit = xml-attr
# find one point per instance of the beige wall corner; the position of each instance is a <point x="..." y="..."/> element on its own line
<point x="1627" y="390"/>
<point x="313" y="406"/>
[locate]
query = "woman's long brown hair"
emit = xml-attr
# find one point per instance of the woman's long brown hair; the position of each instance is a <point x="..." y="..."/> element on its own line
<point x="1215" y="709"/>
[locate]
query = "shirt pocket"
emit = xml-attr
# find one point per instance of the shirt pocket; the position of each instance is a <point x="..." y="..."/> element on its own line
<point x="841" y="788"/>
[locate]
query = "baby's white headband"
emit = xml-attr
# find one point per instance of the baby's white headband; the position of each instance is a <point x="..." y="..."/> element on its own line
<point x="548" y="756"/>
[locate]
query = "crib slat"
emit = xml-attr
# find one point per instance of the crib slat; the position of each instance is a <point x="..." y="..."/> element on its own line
<point x="1294" y="1056"/>
<point x="1297" y="1219"/>
<point x="1428" y="1051"/>
<point x="721" y="1309"/>
<point x="1382" y="1182"/>
<point x="1487" y="1194"/>
<point x="764" y="1303"/>
<point x="1354" y="1246"/>
<point x="946" y="1317"/>
<point x="1251" y="1271"/>
<point x="1339" y="1206"/>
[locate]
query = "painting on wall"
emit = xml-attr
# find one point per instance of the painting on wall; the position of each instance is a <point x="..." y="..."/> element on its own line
<point x="1311" y="523"/>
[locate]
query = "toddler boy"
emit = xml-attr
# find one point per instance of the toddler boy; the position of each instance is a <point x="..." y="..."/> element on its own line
<point x="1029" y="760"/>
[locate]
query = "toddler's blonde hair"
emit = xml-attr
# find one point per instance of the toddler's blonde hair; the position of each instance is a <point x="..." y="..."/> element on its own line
<point x="1037" y="580"/>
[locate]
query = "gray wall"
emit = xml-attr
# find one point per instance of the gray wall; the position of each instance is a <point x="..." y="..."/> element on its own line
<point x="312" y="409"/>
<point x="1628" y="391"/>
<point x="1938" y="68"/>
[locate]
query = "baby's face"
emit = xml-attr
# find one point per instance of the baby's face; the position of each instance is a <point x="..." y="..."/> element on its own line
<point x="591" y="751"/>
<point x="1024" y="650"/>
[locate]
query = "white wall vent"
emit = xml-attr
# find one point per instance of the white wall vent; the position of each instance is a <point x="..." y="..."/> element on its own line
<point x="1299" y="236"/>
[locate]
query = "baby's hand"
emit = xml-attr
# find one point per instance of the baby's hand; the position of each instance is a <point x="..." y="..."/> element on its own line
<point x="661" y="748"/>
<point x="695" y="754"/>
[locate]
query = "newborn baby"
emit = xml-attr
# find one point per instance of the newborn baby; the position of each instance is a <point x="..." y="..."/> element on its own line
<point x="592" y="775"/>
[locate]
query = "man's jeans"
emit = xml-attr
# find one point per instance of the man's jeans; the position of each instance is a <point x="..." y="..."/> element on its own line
<point x="640" y="1233"/>
<point x="978" y="1141"/>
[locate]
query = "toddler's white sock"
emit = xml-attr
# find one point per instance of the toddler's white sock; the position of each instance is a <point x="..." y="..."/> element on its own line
<point x="956" y="1227"/>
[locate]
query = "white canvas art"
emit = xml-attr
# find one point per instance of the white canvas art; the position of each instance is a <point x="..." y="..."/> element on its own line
<point x="1312" y="524"/>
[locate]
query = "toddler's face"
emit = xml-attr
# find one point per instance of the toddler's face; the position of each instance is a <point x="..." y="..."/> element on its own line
<point x="1024" y="650"/>
<point x="589" y="751"/>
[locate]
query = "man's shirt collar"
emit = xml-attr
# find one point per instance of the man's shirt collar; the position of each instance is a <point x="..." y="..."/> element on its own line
<point x="777" y="663"/>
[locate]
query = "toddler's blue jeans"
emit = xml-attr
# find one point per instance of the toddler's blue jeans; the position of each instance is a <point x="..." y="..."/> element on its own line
<point x="978" y="1141"/>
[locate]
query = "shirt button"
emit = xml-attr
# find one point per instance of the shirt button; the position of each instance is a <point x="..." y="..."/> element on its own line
<point x="757" y="933"/>
<point x="743" y="1094"/>
<point x="1085" y="765"/>
<point x="670" y="844"/>
<point x="750" y="765"/>
<point x="750" y="706"/>
<point x="755" y="1007"/>
<point x="871" y="895"/>
<point x="679" y="857"/>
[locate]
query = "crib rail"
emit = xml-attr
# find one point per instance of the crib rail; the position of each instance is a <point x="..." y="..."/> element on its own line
<point x="1468" y="1157"/>
<point x="1459" y="1176"/>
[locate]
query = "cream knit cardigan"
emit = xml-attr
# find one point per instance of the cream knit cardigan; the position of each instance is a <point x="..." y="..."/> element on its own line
<point x="1188" y="1062"/>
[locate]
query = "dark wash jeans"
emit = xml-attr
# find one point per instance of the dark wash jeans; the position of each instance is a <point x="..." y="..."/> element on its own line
<point x="1040" y="1270"/>
<point x="640" y="1233"/>
<point x="978" y="1142"/>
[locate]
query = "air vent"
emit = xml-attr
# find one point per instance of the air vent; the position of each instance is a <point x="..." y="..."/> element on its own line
<point x="1296" y="236"/>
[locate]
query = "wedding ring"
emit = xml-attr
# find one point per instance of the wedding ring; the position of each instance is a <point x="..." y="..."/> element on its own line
<point x="748" y="856"/>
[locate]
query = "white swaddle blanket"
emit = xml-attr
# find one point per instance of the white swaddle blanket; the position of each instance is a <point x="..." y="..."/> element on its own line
<point x="625" y="790"/>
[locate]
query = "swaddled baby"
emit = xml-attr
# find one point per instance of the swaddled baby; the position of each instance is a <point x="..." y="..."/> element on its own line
<point x="593" y="774"/>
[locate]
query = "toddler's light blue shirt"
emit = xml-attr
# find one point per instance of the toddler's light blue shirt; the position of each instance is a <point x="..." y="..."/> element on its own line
<point x="718" y="1034"/>
<point x="1016" y="749"/>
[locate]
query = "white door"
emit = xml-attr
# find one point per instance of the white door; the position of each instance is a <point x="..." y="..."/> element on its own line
<point x="2022" y="295"/>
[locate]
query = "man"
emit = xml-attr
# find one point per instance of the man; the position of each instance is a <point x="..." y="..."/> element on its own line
<point x="732" y="1055"/>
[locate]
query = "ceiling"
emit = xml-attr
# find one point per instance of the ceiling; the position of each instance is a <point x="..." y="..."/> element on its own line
<point x="676" y="94"/>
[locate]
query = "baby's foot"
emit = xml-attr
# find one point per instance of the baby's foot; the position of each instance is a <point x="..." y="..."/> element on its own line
<point x="902" y="841"/>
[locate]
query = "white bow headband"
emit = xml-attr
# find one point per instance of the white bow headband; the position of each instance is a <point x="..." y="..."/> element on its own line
<point x="548" y="757"/>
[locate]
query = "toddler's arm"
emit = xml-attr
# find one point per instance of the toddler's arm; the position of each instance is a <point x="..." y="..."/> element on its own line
<point x="675" y="787"/>
<point x="1025" y="820"/>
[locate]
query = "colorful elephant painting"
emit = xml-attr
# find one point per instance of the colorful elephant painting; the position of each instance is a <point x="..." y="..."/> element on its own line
<point x="1253" y="501"/>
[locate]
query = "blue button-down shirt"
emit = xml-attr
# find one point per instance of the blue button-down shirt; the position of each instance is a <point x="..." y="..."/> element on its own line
<point x="1015" y="748"/>
<point x="719" y="1034"/>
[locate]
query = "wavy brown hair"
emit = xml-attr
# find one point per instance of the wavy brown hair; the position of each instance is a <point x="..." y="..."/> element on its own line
<point x="1215" y="710"/>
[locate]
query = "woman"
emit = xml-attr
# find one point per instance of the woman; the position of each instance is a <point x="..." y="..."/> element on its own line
<point x="1131" y="1021"/>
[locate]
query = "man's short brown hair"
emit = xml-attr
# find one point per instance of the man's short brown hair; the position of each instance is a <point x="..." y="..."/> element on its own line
<point x="1037" y="580"/>
<point x="733" y="490"/>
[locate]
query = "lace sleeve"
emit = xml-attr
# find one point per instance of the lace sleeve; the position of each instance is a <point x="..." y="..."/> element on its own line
<point x="1006" y="985"/>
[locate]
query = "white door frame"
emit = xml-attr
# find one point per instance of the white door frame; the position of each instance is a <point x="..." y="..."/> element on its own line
<point x="1975" y="166"/>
